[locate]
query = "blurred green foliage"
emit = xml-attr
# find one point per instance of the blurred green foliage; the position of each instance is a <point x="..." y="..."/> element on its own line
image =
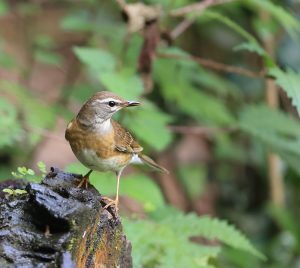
<point x="184" y="93"/>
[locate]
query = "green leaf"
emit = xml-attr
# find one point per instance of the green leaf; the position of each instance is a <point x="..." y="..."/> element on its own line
<point x="42" y="166"/>
<point x="289" y="81"/>
<point x="148" y="124"/>
<point x="20" y="191"/>
<point x="275" y="129"/>
<point x="97" y="60"/>
<point x="3" y="8"/>
<point x="125" y="84"/>
<point x="78" y="21"/>
<point x="8" y="191"/>
<point x="37" y="115"/>
<point x="47" y="57"/>
<point x="163" y="240"/>
<point x="10" y="128"/>
<point x="216" y="84"/>
<point x="251" y="47"/>
<point x="176" y="79"/>
<point x="157" y="245"/>
<point x="210" y="228"/>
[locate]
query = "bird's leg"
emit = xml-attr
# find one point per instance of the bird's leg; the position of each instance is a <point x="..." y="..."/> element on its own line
<point x="116" y="201"/>
<point x="85" y="180"/>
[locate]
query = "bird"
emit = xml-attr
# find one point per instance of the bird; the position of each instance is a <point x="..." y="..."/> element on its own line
<point x="101" y="143"/>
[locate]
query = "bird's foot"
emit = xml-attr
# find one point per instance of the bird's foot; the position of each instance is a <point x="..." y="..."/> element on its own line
<point x="83" y="183"/>
<point x="111" y="203"/>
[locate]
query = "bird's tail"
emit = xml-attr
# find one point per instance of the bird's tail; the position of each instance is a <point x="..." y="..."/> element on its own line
<point x="147" y="160"/>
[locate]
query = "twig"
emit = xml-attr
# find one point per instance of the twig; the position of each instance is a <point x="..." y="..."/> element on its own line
<point x="199" y="130"/>
<point x="181" y="27"/>
<point x="276" y="180"/>
<point x="197" y="7"/>
<point x="214" y="65"/>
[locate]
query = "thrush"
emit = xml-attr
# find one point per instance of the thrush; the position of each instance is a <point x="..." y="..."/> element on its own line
<point x="102" y="144"/>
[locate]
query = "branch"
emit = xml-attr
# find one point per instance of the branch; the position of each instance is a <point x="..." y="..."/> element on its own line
<point x="181" y="27"/>
<point x="197" y="7"/>
<point x="214" y="65"/>
<point x="199" y="130"/>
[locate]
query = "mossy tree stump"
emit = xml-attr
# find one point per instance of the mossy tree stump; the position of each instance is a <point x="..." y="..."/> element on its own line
<point x="56" y="224"/>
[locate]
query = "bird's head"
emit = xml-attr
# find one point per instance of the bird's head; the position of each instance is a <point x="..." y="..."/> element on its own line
<point x="101" y="107"/>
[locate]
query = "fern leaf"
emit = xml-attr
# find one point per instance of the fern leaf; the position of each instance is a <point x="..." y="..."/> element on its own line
<point x="210" y="228"/>
<point x="251" y="47"/>
<point x="289" y="81"/>
<point x="163" y="240"/>
<point x="275" y="129"/>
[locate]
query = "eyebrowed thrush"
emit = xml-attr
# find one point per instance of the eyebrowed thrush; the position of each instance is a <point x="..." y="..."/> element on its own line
<point x="102" y="144"/>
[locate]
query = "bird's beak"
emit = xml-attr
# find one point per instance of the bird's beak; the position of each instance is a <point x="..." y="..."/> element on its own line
<point x="131" y="103"/>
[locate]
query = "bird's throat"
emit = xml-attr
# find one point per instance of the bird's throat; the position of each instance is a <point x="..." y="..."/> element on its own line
<point x="103" y="127"/>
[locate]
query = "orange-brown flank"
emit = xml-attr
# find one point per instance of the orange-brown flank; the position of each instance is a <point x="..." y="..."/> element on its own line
<point x="98" y="152"/>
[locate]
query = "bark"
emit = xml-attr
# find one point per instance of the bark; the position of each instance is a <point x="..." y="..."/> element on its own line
<point x="56" y="224"/>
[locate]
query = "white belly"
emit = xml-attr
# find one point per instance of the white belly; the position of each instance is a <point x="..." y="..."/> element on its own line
<point x="90" y="159"/>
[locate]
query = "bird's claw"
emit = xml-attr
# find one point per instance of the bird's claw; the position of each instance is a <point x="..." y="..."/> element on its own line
<point x="84" y="182"/>
<point x="111" y="203"/>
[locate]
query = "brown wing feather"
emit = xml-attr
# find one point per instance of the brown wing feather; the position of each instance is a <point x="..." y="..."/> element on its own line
<point x="124" y="142"/>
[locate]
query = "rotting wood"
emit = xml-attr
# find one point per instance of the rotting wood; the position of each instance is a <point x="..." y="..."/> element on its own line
<point x="56" y="224"/>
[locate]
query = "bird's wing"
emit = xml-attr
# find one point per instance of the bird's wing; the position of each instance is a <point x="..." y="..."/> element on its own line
<point x="124" y="142"/>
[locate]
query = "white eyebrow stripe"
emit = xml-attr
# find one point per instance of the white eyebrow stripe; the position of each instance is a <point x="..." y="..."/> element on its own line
<point x="108" y="100"/>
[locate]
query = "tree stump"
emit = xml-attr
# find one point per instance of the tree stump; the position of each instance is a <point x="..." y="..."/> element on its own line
<point x="56" y="224"/>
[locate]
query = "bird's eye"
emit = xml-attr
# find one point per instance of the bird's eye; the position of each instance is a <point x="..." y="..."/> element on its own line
<point x="111" y="103"/>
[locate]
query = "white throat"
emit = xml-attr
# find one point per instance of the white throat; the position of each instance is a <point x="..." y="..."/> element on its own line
<point x="103" y="127"/>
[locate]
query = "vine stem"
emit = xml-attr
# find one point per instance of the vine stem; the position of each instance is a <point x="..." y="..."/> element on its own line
<point x="272" y="99"/>
<point x="214" y="65"/>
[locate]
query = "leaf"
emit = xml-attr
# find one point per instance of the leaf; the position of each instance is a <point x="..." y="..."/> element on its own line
<point x="124" y="83"/>
<point x="251" y="47"/>
<point x="216" y="84"/>
<point x="78" y="21"/>
<point x="20" y="191"/>
<point x="137" y="186"/>
<point x="8" y="191"/>
<point x="163" y="240"/>
<point x="42" y="166"/>
<point x="275" y="129"/>
<point x="148" y="124"/>
<point x="47" y="57"/>
<point x="176" y="82"/>
<point x="289" y="81"/>
<point x="37" y="115"/>
<point x="3" y="8"/>
<point x="10" y="128"/>
<point x="210" y="228"/>
<point x="96" y="59"/>
<point x="157" y="245"/>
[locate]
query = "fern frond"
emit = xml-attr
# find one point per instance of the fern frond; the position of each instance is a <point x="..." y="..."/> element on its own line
<point x="251" y="47"/>
<point x="275" y="129"/>
<point x="163" y="240"/>
<point x="210" y="228"/>
<point x="289" y="81"/>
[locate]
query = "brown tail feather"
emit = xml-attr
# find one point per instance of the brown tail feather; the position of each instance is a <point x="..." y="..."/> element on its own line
<point x="146" y="159"/>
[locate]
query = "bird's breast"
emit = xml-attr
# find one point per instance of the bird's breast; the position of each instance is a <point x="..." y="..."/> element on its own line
<point x="96" y="151"/>
<point x="91" y="159"/>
